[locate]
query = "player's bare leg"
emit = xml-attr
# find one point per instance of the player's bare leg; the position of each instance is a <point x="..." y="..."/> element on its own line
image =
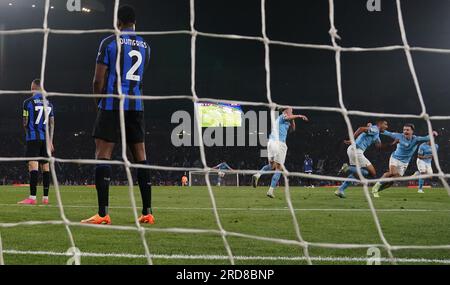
<point x="33" y="169"/>
<point x="255" y="177"/>
<point x="372" y="170"/>
<point x="103" y="151"/>
<point x="144" y="181"/>
<point x="392" y="173"/>
<point x="365" y="171"/>
<point x="276" y="176"/>
<point x="421" y="182"/>
<point x="45" y="181"/>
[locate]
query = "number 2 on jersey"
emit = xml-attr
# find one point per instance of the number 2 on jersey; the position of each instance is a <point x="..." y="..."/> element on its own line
<point x="131" y="73"/>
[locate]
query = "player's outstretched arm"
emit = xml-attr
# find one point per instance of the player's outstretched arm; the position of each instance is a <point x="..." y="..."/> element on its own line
<point x="426" y="138"/>
<point x="51" y="128"/>
<point x="358" y="132"/>
<point x="395" y="136"/>
<point x="293" y="117"/>
<point x="229" y="167"/>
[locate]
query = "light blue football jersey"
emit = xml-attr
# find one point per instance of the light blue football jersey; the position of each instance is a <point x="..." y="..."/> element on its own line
<point x="282" y="127"/>
<point x="366" y="139"/>
<point x="405" y="148"/>
<point x="425" y="150"/>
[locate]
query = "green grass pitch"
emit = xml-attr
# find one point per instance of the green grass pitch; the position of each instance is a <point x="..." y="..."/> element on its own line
<point x="407" y="218"/>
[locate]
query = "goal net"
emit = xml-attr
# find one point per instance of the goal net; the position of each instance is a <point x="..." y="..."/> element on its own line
<point x="207" y="176"/>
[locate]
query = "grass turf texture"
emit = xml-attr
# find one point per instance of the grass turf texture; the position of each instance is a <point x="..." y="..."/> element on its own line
<point x="407" y="218"/>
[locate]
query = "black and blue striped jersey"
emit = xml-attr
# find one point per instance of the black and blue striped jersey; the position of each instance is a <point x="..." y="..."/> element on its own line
<point x="134" y="58"/>
<point x="33" y="111"/>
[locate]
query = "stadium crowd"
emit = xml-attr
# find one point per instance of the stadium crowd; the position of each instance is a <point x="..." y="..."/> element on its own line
<point x="323" y="143"/>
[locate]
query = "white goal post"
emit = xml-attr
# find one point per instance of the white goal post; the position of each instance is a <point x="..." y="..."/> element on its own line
<point x="197" y="178"/>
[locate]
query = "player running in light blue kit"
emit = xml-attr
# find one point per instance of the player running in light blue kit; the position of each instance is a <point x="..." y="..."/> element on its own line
<point x="424" y="159"/>
<point x="221" y="174"/>
<point x="277" y="148"/>
<point x="400" y="158"/>
<point x="364" y="138"/>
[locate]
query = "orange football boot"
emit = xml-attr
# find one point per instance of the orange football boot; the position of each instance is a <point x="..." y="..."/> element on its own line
<point x="97" y="220"/>
<point x="147" y="219"/>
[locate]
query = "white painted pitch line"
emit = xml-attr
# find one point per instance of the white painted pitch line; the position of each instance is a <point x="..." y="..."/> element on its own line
<point x="241" y="209"/>
<point x="224" y="257"/>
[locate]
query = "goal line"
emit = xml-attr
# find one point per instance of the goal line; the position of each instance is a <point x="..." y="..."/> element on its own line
<point x="348" y="259"/>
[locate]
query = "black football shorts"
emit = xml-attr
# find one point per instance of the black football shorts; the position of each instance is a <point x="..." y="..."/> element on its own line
<point x="36" y="148"/>
<point x="107" y="126"/>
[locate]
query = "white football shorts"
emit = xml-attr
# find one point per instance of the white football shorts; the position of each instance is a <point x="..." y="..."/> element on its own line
<point x="356" y="154"/>
<point x="276" y="151"/>
<point x="424" y="167"/>
<point x="401" y="166"/>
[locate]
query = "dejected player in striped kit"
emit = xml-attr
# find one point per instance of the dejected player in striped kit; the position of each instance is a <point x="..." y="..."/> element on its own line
<point x="134" y="58"/>
<point x="34" y="121"/>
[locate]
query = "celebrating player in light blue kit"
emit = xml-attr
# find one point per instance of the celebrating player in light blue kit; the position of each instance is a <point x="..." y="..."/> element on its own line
<point x="277" y="148"/>
<point x="364" y="138"/>
<point x="221" y="174"/>
<point x="399" y="161"/>
<point x="424" y="158"/>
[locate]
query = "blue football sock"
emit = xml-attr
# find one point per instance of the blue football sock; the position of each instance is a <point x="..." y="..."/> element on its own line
<point x="421" y="182"/>
<point x="275" y="179"/>
<point x="345" y="184"/>
<point x="265" y="168"/>
<point x="352" y="170"/>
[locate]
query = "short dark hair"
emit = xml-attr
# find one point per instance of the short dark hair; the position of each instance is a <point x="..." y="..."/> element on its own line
<point x="380" y="120"/>
<point x="36" y="81"/>
<point x="411" y="126"/>
<point x="126" y="15"/>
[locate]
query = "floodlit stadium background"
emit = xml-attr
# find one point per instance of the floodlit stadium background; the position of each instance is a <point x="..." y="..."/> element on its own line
<point x="373" y="82"/>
